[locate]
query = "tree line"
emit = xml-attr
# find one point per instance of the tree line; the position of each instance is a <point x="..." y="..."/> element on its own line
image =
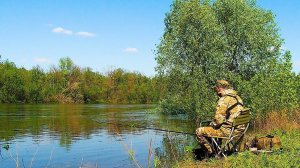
<point x="234" y="40"/>
<point x="68" y="83"/>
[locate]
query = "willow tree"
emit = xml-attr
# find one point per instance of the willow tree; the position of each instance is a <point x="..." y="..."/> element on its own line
<point x="208" y="40"/>
<point x="190" y="56"/>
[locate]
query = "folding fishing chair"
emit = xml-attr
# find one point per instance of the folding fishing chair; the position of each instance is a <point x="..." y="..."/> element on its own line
<point x="235" y="137"/>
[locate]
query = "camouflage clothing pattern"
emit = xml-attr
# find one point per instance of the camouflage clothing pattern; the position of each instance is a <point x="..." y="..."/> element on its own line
<point x="228" y="100"/>
<point x="222" y="83"/>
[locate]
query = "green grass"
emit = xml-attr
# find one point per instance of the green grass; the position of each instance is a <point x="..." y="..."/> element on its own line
<point x="288" y="157"/>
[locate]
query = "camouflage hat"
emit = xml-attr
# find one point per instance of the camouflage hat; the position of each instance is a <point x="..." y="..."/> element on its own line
<point x="222" y="83"/>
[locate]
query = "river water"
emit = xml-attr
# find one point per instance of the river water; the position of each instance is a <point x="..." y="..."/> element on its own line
<point x="90" y="136"/>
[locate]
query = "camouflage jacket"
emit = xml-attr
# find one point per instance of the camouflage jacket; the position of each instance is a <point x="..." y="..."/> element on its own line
<point x="228" y="102"/>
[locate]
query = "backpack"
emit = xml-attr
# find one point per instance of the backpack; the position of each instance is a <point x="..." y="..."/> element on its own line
<point x="267" y="143"/>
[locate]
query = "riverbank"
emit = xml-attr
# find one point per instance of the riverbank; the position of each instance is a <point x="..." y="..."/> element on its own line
<point x="280" y="124"/>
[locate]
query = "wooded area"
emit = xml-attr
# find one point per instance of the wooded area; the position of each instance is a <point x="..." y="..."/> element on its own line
<point x="68" y="83"/>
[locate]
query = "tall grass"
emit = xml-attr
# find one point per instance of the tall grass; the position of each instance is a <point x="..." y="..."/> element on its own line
<point x="278" y="121"/>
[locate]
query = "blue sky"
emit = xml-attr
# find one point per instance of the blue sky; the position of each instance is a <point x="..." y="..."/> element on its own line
<point x="105" y="34"/>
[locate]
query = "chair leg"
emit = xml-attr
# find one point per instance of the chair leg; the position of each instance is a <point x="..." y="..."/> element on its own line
<point x="219" y="150"/>
<point x="232" y="145"/>
<point x="216" y="144"/>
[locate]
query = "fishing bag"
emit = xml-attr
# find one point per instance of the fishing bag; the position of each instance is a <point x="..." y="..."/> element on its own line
<point x="267" y="143"/>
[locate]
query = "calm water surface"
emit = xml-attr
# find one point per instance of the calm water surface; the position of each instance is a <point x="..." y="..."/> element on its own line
<point x="89" y="136"/>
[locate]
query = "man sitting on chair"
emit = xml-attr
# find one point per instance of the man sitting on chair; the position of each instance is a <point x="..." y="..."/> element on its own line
<point x="228" y="107"/>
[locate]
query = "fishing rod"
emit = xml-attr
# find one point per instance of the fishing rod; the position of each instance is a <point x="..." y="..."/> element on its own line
<point x="202" y="123"/>
<point x="157" y="129"/>
<point x="179" y="132"/>
<point x="164" y="130"/>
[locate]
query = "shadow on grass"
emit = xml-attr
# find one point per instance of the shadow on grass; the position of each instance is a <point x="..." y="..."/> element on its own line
<point x="200" y="154"/>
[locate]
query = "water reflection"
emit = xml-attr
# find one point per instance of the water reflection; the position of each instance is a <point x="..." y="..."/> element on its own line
<point x="61" y="135"/>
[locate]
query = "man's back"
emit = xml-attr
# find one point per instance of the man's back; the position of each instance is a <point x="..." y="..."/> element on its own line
<point x="229" y="106"/>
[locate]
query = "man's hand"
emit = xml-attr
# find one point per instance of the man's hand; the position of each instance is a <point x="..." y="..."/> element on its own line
<point x="212" y="124"/>
<point x="215" y="125"/>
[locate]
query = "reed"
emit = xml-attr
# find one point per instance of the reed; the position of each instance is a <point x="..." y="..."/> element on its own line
<point x="149" y="153"/>
<point x="129" y="151"/>
<point x="278" y="121"/>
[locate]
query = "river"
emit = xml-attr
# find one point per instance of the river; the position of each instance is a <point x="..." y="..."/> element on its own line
<point x="93" y="135"/>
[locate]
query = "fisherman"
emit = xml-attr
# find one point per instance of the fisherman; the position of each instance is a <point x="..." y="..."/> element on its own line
<point x="228" y="107"/>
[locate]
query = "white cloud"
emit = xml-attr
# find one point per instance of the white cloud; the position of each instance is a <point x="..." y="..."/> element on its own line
<point x="85" y="34"/>
<point x="62" y="31"/>
<point x="130" y="50"/>
<point x="41" y="60"/>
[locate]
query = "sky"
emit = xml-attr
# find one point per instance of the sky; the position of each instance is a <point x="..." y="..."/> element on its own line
<point x="106" y="34"/>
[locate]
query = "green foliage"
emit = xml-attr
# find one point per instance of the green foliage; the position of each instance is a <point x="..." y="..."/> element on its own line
<point x="131" y="155"/>
<point x="12" y="87"/>
<point x="36" y="85"/>
<point x="92" y="86"/>
<point x="298" y="86"/>
<point x="190" y="56"/>
<point x="129" y="87"/>
<point x="66" y="65"/>
<point x="188" y="148"/>
<point x="69" y="83"/>
<point x="274" y="90"/>
<point x="224" y="39"/>
<point x="156" y="161"/>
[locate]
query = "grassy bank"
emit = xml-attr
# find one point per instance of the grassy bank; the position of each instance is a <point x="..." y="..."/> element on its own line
<point x="281" y="124"/>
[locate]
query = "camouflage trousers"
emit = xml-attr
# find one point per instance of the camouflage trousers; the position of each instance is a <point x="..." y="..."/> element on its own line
<point x="203" y="133"/>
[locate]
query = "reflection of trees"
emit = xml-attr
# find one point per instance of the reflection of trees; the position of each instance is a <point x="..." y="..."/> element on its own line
<point x="65" y="140"/>
<point x="67" y="122"/>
